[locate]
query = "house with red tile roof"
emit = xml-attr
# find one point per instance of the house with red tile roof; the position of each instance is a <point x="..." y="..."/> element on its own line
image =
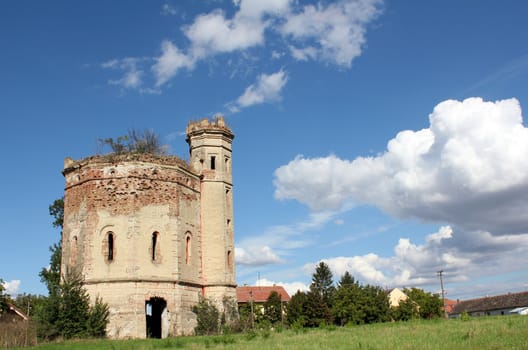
<point x="259" y="294"/>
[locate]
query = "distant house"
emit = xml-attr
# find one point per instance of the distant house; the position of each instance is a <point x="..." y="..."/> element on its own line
<point x="258" y="295"/>
<point x="396" y="296"/>
<point x="449" y="303"/>
<point x="505" y="304"/>
<point x="13" y="313"/>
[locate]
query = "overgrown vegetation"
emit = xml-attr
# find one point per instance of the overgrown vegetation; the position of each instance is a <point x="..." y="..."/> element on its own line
<point x="207" y="316"/>
<point x="135" y="141"/>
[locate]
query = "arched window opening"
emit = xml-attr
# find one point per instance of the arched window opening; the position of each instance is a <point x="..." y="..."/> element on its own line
<point x="188" y="249"/>
<point x="213" y="162"/>
<point x="154" y="244"/>
<point x="110" y="256"/>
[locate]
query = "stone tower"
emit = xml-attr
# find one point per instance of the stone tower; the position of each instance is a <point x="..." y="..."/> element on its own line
<point x="151" y="234"/>
<point x="210" y="154"/>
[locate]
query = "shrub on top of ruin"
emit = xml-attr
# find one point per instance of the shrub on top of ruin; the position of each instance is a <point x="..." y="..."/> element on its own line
<point x="146" y="141"/>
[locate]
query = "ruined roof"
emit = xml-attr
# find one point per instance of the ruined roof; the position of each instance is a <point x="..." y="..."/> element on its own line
<point x="260" y="294"/>
<point x="161" y="159"/>
<point x="505" y="301"/>
<point x="17" y="311"/>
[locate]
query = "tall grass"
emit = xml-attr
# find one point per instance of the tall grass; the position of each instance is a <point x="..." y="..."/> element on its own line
<point x="509" y="332"/>
<point x="17" y="333"/>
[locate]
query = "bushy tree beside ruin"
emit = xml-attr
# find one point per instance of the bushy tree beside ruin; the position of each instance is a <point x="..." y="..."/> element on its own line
<point x="66" y="311"/>
<point x="207" y="317"/>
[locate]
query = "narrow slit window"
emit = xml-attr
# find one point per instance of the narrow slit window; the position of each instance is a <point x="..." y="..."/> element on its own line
<point x="229" y="259"/>
<point x="154" y="245"/>
<point x="110" y="256"/>
<point x="213" y="162"/>
<point x="188" y="249"/>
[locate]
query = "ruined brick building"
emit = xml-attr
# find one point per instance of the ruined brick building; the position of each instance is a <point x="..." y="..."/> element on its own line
<point x="153" y="233"/>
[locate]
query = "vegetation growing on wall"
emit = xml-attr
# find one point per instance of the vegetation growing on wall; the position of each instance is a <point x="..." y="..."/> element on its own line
<point x="135" y="141"/>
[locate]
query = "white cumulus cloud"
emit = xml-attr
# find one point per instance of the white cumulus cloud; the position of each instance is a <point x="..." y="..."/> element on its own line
<point x="334" y="33"/>
<point x="469" y="169"/>
<point x="256" y="256"/>
<point x="12" y="287"/>
<point x="170" y="62"/>
<point x="268" y="88"/>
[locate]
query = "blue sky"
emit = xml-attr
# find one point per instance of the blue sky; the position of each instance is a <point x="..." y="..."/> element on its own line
<point x="383" y="137"/>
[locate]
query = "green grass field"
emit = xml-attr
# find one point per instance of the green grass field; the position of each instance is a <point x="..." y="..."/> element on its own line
<point x="507" y="332"/>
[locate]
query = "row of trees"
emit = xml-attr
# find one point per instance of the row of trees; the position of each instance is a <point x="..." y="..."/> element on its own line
<point x="347" y="303"/>
<point x="352" y="303"/>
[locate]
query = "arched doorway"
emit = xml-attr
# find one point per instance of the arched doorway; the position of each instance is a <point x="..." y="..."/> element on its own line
<point x="154" y="308"/>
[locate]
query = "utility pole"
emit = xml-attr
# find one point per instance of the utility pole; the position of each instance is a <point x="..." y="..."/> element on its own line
<point x="440" y="274"/>
<point x="251" y="303"/>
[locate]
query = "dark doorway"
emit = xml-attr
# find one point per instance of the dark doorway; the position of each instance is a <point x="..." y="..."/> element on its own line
<point x="154" y="308"/>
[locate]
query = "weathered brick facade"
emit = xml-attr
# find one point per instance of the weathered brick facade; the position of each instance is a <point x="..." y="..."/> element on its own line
<point x="151" y="234"/>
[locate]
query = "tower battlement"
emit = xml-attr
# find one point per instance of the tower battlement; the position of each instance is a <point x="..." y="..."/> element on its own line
<point x="217" y="123"/>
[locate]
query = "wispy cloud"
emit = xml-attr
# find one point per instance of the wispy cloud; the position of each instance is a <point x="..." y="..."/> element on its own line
<point x="168" y="10"/>
<point x="331" y="33"/>
<point x="510" y="71"/>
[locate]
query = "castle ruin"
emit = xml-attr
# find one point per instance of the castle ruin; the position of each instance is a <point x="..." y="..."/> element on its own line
<point x="151" y="234"/>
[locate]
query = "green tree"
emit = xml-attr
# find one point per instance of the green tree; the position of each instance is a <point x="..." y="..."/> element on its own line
<point x="3" y="298"/>
<point x="316" y="310"/>
<point x="319" y="297"/>
<point x="375" y="304"/>
<point x="74" y="307"/>
<point x="348" y="299"/>
<point x="273" y="308"/>
<point x="427" y="305"/>
<point x="66" y="311"/>
<point x="405" y="311"/>
<point x="207" y="316"/>
<point x="29" y="303"/>
<point x="98" y="319"/>
<point x="47" y="312"/>
<point x="322" y="283"/>
<point x="295" y="309"/>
